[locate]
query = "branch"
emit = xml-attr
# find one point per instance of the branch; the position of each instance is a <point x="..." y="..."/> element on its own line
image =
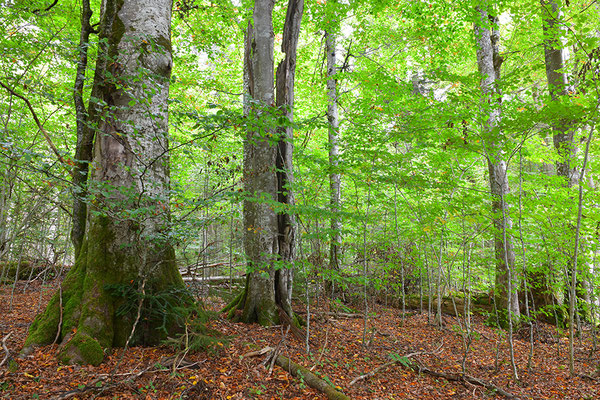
<point x="417" y="367"/>
<point x="311" y="379"/>
<point x="45" y="9"/>
<point x="39" y="124"/>
<point x="403" y="360"/>
<point x="7" y="358"/>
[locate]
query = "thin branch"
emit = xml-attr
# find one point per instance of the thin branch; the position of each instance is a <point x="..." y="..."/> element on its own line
<point x="39" y="124"/>
<point x="36" y="12"/>
<point x="6" y="358"/>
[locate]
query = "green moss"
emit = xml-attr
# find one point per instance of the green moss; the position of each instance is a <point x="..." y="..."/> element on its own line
<point x="266" y="313"/>
<point x="81" y="349"/>
<point x="43" y="329"/>
<point x="21" y="270"/>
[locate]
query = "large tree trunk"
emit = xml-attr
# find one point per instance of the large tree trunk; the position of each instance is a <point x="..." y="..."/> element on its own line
<point x="489" y="62"/>
<point x="269" y="233"/>
<point x="286" y="224"/>
<point x="125" y="243"/>
<point x="334" y="154"/>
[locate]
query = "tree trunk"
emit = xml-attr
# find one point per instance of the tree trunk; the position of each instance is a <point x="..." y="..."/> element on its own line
<point x="489" y="62"/>
<point x="334" y="154"/>
<point x="126" y="239"/>
<point x="555" y="56"/>
<point x="268" y="233"/>
<point x="558" y="85"/>
<point x="286" y="224"/>
<point x="85" y="135"/>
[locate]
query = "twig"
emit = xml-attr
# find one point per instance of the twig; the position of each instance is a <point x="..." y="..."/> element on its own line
<point x="39" y="124"/>
<point x="92" y="386"/>
<point x="260" y="352"/>
<point x="139" y="313"/>
<point x="60" y="309"/>
<point x="6" y="350"/>
<point x="415" y="366"/>
<point x="322" y="349"/>
<point x="277" y="350"/>
<point x="384" y="366"/>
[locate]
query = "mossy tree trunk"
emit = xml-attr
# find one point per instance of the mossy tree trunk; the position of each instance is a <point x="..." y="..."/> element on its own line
<point x="126" y="238"/>
<point x="269" y="226"/>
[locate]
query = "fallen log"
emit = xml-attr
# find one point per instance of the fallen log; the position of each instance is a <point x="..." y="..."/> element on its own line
<point x="311" y="379"/>
<point x="214" y="279"/>
<point x="298" y="371"/>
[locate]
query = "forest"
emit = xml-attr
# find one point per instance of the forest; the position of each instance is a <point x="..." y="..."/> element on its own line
<point x="330" y="199"/>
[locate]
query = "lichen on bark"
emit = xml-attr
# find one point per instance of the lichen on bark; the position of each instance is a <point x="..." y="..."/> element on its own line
<point x="126" y="239"/>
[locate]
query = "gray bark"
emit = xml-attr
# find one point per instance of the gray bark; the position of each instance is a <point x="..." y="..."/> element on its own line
<point x="85" y="135"/>
<point x="555" y="56"/>
<point x="489" y="62"/>
<point x="334" y="153"/>
<point x="286" y="224"/>
<point x="260" y="182"/>
<point x="128" y="224"/>
<point x="268" y="235"/>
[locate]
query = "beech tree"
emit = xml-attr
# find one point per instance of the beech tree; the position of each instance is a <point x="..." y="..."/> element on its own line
<point x="269" y="226"/>
<point x="489" y="62"/>
<point x="126" y="243"/>
<point x="334" y="153"/>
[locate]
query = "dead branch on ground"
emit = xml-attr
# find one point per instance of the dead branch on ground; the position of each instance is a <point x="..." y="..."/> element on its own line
<point x="408" y="361"/>
<point x="7" y="357"/>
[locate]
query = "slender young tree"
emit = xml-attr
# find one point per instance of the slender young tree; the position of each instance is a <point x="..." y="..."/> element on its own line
<point x="85" y="134"/>
<point x="125" y="242"/>
<point x="334" y="153"/>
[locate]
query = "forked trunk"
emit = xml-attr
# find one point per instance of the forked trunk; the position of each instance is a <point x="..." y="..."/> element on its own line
<point x="125" y="257"/>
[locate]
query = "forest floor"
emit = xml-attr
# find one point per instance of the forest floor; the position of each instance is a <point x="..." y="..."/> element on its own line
<point x="337" y="356"/>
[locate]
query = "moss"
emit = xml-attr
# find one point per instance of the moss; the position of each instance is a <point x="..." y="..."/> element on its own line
<point x="234" y="304"/>
<point x="43" y="329"/>
<point x="81" y="349"/>
<point x="22" y="271"/>
<point x="266" y="313"/>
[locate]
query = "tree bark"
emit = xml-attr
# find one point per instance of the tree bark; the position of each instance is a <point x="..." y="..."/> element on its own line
<point x="555" y="56"/>
<point x="126" y="240"/>
<point x="269" y="229"/>
<point x="334" y="154"/>
<point x="559" y="86"/>
<point x="85" y="135"/>
<point x="489" y="62"/>
<point x="286" y="223"/>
